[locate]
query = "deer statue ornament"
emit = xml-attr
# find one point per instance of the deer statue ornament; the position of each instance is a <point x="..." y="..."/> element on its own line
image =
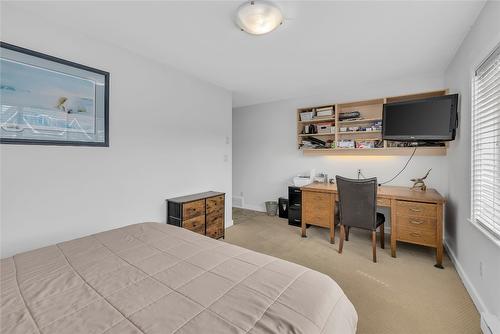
<point x="419" y="184"/>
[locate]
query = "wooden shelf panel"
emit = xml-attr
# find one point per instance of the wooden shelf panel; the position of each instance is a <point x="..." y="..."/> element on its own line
<point x="315" y="134"/>
<point x="418" y="96"/>
<point x="358" y="104"/>
<point x="317" y="107"/>
<point x="318" y="120"/>
<point x="376" y="151"/>
<point x="366" y="120"/>
<point x="358" y="132"/>
<point x="364" y="139"/>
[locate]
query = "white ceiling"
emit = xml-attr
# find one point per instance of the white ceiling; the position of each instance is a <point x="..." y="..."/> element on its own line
<point x="320" y="44"/>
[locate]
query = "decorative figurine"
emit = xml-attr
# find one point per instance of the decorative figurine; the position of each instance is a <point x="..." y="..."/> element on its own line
<point x="419" y="184"/>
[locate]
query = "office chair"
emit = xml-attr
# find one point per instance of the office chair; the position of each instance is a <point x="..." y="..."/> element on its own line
<point x="358" y="208"/>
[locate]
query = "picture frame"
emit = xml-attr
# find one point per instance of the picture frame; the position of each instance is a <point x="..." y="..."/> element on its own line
<point x="45" y="100"/>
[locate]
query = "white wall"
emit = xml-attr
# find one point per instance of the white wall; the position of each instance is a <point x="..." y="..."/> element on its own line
<point x="265" y="156"/>
<point x="467" y="244"/>
<point x="167" y="138"/>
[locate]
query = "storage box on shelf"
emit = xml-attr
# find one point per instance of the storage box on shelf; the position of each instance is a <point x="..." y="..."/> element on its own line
<point x="325" y="128"/>
<point x="355" y="128"/>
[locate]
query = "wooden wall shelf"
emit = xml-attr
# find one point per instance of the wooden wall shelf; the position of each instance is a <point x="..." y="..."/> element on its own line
<point x="376" y="151"/>
<point x="370" y="113"/>
<point x="359" y="132"/>
<point x="364" y="120"/>
<point x="316" y="134"/>
<point x="318" y="120"/>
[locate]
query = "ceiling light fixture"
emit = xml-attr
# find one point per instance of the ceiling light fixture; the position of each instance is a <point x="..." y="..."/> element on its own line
<point x="258" y="17"/>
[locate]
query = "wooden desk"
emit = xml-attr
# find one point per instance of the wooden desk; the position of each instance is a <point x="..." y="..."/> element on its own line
<point x="416" y="217"/>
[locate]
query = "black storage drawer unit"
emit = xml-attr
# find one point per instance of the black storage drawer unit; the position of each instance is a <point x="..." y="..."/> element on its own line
<point x="294" y="216"/>
<point x="294" y="196"/>
<point x="294" y="206"/>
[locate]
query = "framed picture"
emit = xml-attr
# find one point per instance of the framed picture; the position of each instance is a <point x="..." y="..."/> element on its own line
<point x="45" y="100"/>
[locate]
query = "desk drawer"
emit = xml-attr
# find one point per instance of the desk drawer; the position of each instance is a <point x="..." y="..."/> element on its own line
<point x="384" y="202"/>
<point x="416" y="223"/>
<point x="317" y="197"/>
<point x="193" y="209"/>
<point x="317" y="208"/>
<point x="419" y="230"/>
<point x="416" y="209"/>
<point x="196" y="224"/>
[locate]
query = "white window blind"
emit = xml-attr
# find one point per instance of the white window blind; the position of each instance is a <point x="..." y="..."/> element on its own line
<point x="486" y="144"/>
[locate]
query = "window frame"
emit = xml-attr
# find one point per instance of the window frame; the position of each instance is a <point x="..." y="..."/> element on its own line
<point x="492" y="235"/>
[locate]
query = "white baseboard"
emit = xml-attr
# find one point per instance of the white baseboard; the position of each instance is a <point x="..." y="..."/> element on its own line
<point x="238" y="201"/>
<point x="254" y="207"/>
<point x="229" y="224"/>
<point x="490" y="324"/>
<point x="465" y="280"/>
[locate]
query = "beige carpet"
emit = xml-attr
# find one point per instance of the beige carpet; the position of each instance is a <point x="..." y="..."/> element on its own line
<point x="400" y="295"/>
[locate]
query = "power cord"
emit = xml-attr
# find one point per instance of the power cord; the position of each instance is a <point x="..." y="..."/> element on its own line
<point x="360" y="174"/>
<point x="406" y="164"/>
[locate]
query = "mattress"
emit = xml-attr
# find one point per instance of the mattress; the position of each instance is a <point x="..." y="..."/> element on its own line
<point x="157" y="278"/>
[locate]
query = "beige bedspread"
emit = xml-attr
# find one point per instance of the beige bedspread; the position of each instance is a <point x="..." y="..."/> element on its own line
<point x="156" y="278"/>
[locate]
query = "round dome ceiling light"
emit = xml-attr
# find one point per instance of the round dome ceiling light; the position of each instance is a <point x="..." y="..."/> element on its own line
<point x="258" y="17"/>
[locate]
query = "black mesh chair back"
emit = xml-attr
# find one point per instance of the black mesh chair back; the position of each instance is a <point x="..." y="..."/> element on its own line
<point x="358" y="202"/>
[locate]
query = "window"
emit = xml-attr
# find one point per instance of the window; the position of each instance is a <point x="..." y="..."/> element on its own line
<point x="486" y="144"/>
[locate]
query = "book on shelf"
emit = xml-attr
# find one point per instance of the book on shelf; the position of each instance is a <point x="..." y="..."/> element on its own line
<point x="324" y="112"/>
<point x="319" y="117"/>
<point x="324" y="108"/>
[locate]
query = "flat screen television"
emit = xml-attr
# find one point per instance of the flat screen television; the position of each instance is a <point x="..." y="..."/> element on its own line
<point x="431" y="119"/>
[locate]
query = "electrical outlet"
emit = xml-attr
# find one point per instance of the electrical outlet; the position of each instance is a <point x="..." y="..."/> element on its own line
<point x="226" y="157"/>
<point x="228" y="140"/>
<point x="241" y="194"/>
<point x="481" y="269"/>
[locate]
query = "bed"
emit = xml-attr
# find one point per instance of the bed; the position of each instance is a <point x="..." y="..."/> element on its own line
<point x="157" y="278"/>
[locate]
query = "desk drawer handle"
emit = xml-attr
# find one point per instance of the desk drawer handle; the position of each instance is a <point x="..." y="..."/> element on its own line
<point x="297" y="220"/>
<point x="416" y="222"/>
<point x="415" y="210"/>
<point x="415" y="234"/>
